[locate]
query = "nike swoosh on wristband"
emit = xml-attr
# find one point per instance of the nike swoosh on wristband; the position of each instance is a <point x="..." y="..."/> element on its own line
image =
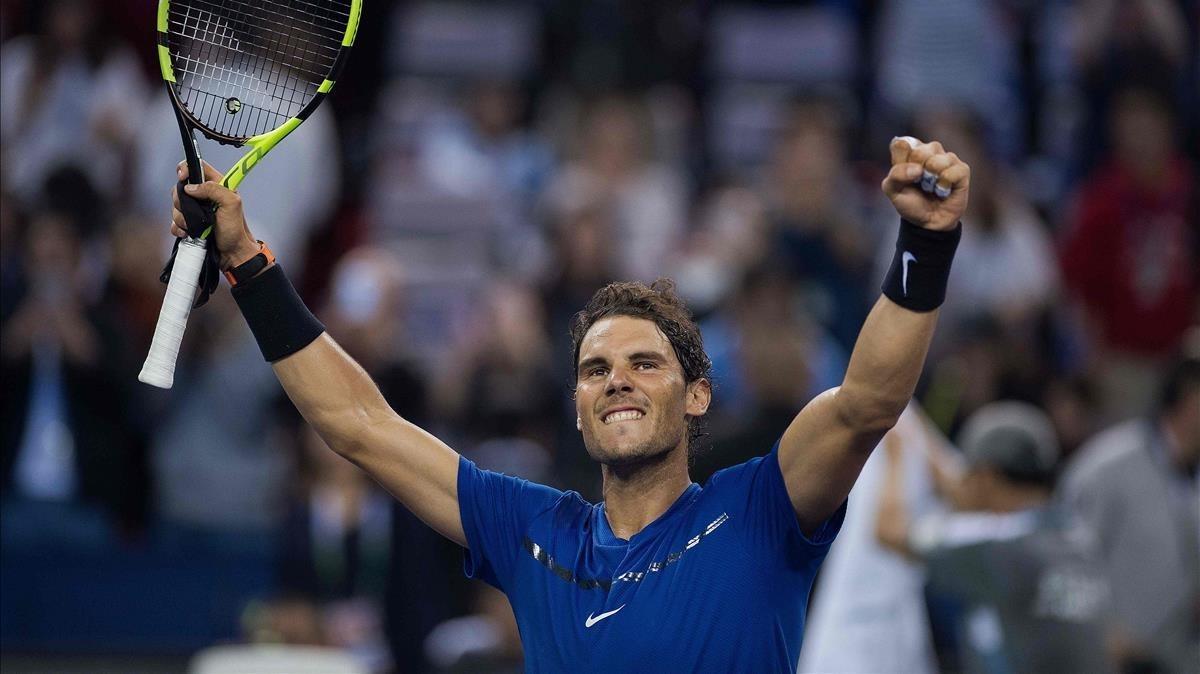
<point x="592" y="621"/>
<point x="905" y="259"/>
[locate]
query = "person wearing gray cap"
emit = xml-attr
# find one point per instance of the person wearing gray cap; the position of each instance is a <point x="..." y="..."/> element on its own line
<point x="1137" y="485"/>
<point x="1034" y="597"/>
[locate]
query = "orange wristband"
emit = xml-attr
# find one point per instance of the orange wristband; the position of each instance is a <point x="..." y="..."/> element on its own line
<point x="250" y="268"/>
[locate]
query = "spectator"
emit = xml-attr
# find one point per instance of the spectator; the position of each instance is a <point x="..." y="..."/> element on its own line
<point x="1070" y="403"/>
<point x="818" y="219"/>
<point x="1114" y="42"/>
<point x="72" y="470"/>
<point x="963" y="52"/>
<point x="1035" y="597"/>
<point x="648" y="199"/>
<point x="1005" y="268"/>
<point x="880" y="626"/>
<point x="484" y="149"/>
<point x="760" y="332"/>
<point x="485" y="642"/>
<point x="334" y="557"/>
<point x="1135" y="485"/>
<point x="982" y="367"/>
<point x="367" y="310"/>
<point x="731" y="236"/>
<point x="504" y="382"/>
<point x="1130" y="253"/>
<point x="69" y="93"/>
<point x="220" y="464"/>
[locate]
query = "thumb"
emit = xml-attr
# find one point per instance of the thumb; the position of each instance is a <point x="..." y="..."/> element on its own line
<point x="214" y="192"/>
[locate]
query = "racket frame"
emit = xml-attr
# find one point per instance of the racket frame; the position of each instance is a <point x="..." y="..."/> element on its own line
<point x="159" y="368"/>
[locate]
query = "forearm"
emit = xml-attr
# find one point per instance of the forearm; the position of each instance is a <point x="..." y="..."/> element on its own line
<point x="885" y="365"/>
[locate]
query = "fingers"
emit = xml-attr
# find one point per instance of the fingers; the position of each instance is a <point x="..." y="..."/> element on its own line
<point x="931" y="181"/>
<point x="900" y="147"/>
<point x="210" y="173"/>
<point x="178" y="227"/>
<point x="955" y="178"/>
<point x="214" y="192"/>
<point x="900" y="177"/>
<point x="940" y="172"/>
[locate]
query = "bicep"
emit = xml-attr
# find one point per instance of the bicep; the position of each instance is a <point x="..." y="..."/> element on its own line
<point x="821" y="455"/>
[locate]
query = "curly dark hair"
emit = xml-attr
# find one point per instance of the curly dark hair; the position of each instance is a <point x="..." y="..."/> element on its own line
<point x="656" y="302"/>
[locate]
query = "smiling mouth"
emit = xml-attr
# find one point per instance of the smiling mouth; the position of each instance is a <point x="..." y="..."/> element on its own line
<point x="622" y="415"/>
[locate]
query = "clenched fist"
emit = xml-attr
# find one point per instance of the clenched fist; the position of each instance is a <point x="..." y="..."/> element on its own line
<point x="927" y="185"/>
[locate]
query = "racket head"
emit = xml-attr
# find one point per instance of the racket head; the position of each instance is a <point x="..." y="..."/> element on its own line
<point x="245" y="71"/>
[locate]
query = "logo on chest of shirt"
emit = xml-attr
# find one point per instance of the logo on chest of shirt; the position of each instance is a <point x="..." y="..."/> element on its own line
<point x="593" y="620"/>
<point x="547" y="560"/>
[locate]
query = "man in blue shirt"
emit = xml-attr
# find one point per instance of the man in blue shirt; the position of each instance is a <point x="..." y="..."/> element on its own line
<point x="664" y="573"/>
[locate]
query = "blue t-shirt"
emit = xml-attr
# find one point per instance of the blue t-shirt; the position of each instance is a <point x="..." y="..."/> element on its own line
<point x="718" y="583"/>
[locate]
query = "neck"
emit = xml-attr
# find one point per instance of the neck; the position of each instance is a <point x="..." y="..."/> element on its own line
<point x="636" y="495"/>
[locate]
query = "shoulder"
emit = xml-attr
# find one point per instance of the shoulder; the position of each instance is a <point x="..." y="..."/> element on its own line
<point x="494" y="489"/>
<point x="741" y="474"/>
<point x="1108" y="454"/>
<point x="961" y="529"/>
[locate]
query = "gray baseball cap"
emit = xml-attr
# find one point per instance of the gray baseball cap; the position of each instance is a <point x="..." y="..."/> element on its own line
<point x="1015" y="438"/>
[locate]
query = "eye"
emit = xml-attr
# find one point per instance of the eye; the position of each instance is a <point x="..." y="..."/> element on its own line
<point x="645" y="365"/>
<point x="597" y="372"/>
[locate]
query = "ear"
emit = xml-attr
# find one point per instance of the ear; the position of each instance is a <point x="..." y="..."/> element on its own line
<point x="699" y="395"/>
<point x="579" y="423"/>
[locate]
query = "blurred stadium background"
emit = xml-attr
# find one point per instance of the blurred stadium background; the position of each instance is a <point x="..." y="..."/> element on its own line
<point x="482" y="168"/>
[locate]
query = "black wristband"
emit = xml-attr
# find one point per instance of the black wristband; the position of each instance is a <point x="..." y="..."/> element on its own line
<point x="921" y="267"/>
<point x="281" y="323"/>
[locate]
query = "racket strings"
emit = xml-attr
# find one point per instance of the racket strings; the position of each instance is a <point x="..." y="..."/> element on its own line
<point x="244" y="67"/>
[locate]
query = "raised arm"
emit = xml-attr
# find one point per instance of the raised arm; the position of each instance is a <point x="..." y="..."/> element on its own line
<point x="335" y="395"/>
<point x="826" y="445"/>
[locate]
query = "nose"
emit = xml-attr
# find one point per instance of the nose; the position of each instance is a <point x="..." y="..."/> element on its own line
<point x="618" y="382"/>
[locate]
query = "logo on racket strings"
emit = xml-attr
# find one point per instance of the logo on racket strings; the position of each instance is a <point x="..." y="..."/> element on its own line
<point x="232" y="105"/>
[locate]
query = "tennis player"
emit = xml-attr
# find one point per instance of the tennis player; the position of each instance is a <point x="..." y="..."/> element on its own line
<point x="663" y="574"/>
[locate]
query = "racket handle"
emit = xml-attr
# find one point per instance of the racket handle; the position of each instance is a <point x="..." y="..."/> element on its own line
<point x="159" y="369"/>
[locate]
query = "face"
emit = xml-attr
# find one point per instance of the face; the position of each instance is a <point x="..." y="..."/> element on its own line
<point x="631" y="398"/>
<point x="1142" y="136"/>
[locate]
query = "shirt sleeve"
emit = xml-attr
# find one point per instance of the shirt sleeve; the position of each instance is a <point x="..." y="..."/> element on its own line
<point x="496" y="510"/>
<point x="755" y="495"/>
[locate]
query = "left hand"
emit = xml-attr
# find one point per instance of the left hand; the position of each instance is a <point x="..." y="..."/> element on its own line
<point x="911" y="160"/>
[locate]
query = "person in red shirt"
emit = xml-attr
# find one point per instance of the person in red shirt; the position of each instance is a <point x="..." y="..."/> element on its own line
<point x="1130" y="251"/>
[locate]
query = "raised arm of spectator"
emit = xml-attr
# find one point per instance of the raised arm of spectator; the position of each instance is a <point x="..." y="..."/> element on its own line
<point x="825" y="447"/>
<point x="335" y="395"/>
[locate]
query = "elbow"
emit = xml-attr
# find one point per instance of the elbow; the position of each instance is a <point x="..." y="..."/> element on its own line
<point x="868" y="414"/>
<point x="349" y="432"/>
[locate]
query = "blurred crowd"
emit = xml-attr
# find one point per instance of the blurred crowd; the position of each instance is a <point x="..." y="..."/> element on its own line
<point x="479" y="171"/>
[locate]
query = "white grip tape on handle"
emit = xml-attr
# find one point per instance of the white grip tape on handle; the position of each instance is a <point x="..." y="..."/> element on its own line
<point x="159" y="369"/>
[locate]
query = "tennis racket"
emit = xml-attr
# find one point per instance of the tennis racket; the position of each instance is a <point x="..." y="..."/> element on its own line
<point x="243" y="73"/>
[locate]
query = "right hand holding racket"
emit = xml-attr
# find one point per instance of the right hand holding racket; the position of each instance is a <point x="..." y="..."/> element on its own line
<point x="230" y="234"/>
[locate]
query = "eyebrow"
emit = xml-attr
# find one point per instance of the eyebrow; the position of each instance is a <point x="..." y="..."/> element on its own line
<point x="591" y="362"/>
<point x="653" y="356"/>
<point x="648" y="355"/>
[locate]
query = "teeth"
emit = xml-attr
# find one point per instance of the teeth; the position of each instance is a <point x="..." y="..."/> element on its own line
<point x="623" y="415"/>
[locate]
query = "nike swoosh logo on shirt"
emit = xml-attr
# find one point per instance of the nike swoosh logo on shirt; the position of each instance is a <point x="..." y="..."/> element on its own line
<point x="905" y="259"/>
<point x="593" y="620"/>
